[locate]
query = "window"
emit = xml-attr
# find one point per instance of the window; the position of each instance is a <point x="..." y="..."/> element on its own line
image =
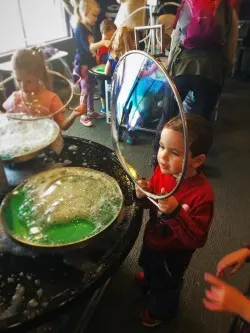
<point x="30" y="22"/>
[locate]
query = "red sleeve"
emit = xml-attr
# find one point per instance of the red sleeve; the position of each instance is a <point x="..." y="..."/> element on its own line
<point x="191" y="228"/>
<point x="154" y="178"/>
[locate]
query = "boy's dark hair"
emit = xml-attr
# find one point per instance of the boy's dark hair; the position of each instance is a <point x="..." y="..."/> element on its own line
<point x="107" y="25"/>
<point x="200" y="132"/>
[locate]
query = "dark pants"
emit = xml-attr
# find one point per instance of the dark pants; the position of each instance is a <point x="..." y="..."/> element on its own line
<point x="205" y="94"/>
<point x="164" y="273"/>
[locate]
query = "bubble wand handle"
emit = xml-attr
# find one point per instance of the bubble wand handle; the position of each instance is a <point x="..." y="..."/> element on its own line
<point x="154" y="202"/>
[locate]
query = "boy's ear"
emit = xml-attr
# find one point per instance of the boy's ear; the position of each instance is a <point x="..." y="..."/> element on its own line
<point x="198" y="161"/>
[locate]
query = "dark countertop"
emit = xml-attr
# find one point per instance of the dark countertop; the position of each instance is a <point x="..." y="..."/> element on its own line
<point x="35" y="286"/>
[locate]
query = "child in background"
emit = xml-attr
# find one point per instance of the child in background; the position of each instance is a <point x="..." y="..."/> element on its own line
<point x="87" y="13"/>
<point x="181" y="224"/>
<point x="107" y="28"/>
<point x="123" y="42"/>
<point x="34" y="96"/>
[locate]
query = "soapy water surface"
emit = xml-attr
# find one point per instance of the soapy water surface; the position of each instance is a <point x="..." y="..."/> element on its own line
<point x="63" y="205"/>
<point x="20" y="137"/>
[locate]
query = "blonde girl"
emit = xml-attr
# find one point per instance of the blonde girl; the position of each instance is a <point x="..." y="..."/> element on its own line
<point x="124" y="41"/>
<point x="87" y="14"/>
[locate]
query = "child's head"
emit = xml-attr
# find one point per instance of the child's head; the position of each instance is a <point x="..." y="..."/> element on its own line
<point x="171" y="151"/>
<point x="107" y="28"/>
<point x="30" y="70"/>
<point x="123" y="42"/>
<point x="87" y="11"/>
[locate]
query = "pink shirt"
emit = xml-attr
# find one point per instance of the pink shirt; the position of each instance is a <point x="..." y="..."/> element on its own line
<point x="45" y="103"/>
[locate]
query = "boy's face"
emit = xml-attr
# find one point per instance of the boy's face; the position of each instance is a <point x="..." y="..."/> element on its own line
<point x="171" y="154"/>
<point x="92" y="15"/>
<point x="107" y="35"/>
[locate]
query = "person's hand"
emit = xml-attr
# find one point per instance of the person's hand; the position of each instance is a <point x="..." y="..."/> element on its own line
<point x="154" y="67"/>
<point x="148" y="72"/>
<point x="106" y="42"/>
<point x="145" y="185"/>
<point x="221" y="297"/>
<point x="167" y="205"/>
<point x="233" y="261"/>
<point x="80" y="110"/>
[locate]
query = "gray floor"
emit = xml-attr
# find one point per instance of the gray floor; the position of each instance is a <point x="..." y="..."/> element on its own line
<point x="229" y="166"/>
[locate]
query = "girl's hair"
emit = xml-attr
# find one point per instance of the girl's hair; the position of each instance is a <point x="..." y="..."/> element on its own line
<point x="32" y="62"/>
<point x="84" y="6"/>
<point x="124" y="41"/>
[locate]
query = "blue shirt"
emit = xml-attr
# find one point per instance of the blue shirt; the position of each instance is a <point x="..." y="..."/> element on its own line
<point x="113" y="63"/>
<point x="83" y="55"/>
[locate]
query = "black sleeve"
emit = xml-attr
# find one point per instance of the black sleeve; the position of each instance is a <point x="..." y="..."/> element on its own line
<point x="81" y="36"/>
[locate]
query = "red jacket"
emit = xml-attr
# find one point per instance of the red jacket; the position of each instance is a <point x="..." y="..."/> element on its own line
<point x="102" y="55"/>
<point x="188" y="226"/>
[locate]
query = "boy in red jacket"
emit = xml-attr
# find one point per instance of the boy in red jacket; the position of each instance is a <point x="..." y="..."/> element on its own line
<point x="174" y="232"/>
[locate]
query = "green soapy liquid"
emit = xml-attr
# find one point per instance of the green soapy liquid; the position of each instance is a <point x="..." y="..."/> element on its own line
<point x="100" y="69"/>
<point x="57" y="233"/>
<point x="28" y="222"/>
<point x="70" y="232"/>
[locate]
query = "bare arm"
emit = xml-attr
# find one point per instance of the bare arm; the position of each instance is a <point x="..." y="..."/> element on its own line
<point x="108" y="68"/>
<point x="65" y="122"/>
<point x="95" y="46"/>
<point x="222" y="297"/>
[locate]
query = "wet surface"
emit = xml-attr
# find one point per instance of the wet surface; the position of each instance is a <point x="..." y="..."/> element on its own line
<point x="34" y="284"/>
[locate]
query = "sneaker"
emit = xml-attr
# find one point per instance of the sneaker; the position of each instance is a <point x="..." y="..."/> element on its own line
<point x="148" y="320"/>
<point x="142" y="283"/>
<point x="131" y="138"/>
<point x="96" y="115"/>
<point x="140" y="277"/>
<point x="103" y="110"/>
<point x="86" y="121"/>
<point x="130" y="141"/>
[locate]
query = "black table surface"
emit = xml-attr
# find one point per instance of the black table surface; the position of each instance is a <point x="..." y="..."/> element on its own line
<point x="35" y="286"/>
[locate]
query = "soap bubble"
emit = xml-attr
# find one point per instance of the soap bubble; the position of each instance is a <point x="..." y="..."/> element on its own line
<point x="40" y="85"/>
<point x="33" y="100"/>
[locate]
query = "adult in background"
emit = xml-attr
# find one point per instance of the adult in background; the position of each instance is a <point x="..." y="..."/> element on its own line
<point x="202" y="53"/>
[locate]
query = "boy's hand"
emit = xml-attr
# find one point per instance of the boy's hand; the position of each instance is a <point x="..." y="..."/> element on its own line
<point x="234" y="261"/>
<point x="167" y="205"/>
<point x="106" y="42"/>
<point x="222" y="297"/>
<point x="145" y="185"/>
